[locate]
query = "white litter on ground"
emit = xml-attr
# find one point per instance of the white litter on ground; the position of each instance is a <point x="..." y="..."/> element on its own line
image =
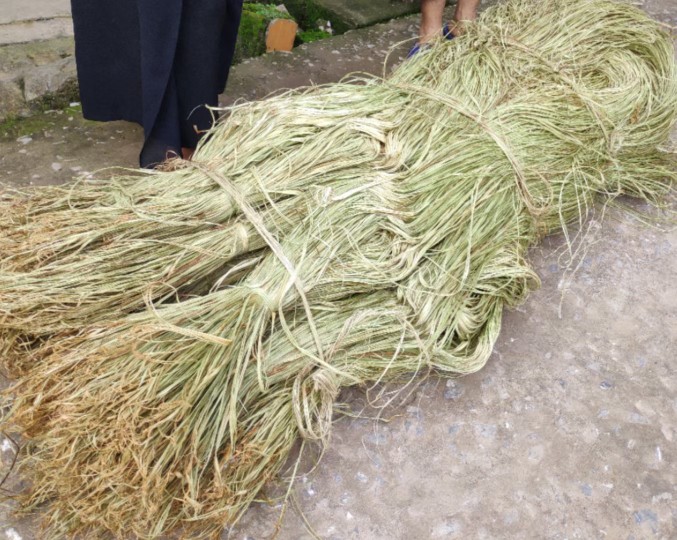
<point x="11" y="534"/>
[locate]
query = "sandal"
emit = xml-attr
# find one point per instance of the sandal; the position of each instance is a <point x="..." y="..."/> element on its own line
<point x="418" y="47"/>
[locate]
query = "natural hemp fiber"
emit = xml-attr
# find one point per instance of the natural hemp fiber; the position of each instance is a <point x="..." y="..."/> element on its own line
<point x="175" y="333"/>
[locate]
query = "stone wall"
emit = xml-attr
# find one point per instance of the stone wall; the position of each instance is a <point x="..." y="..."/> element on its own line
<point x="37" y="67"/>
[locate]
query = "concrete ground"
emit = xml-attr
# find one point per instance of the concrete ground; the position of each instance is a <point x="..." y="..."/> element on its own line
<point x="29" y="20"/>
<point x="570" y="431"/>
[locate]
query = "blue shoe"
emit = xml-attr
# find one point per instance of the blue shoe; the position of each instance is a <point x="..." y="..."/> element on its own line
<point x="447" y="33"/>
<point x="417" y="48"/>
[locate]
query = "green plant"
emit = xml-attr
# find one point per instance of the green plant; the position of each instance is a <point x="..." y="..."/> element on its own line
<point x="308" y="36"/>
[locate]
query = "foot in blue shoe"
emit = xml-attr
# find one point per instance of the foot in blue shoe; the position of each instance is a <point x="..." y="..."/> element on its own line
<point x="415" y="50"/>
<point x="447" y="33"/>
<point x="418" y="47"/>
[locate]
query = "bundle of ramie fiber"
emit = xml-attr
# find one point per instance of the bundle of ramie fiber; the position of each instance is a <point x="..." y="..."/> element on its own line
<point x="175" y="333"/>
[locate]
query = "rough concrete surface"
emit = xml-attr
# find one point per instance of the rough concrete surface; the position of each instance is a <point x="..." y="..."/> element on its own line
<point x="28" y="31"/>
<point x="570" y="431"/>
<point x="22" y="21"/>
<point x="360" y="13"/>
<point x="31" y="73"/>
<point x="13" y="10"/>
<point x="347" y="14"/>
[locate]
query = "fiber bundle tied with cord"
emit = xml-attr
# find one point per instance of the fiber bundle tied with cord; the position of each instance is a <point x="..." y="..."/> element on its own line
<point x="175" y="333"/>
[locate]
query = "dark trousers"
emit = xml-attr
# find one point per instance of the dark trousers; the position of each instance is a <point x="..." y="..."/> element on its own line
<point x="155" y="62"/>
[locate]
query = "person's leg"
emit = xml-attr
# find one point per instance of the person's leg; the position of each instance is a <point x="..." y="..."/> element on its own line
<point x="466" y="10"/>
<point x="159" y="26"/>
<point x="432" y="12"/>
<point x="201" y="63"/>
<point x="163" y="142"/>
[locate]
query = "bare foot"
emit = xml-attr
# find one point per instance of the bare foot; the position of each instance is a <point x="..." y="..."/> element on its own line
<point x="462" y="16"/>
<point x="431" y="20"/>
<point x="429" y="32"/>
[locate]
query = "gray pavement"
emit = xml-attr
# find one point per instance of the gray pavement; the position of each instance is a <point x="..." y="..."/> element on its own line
<point x="22" y="21"/>
<point x="33" y="10"/>
<point x="570" y="431"/>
